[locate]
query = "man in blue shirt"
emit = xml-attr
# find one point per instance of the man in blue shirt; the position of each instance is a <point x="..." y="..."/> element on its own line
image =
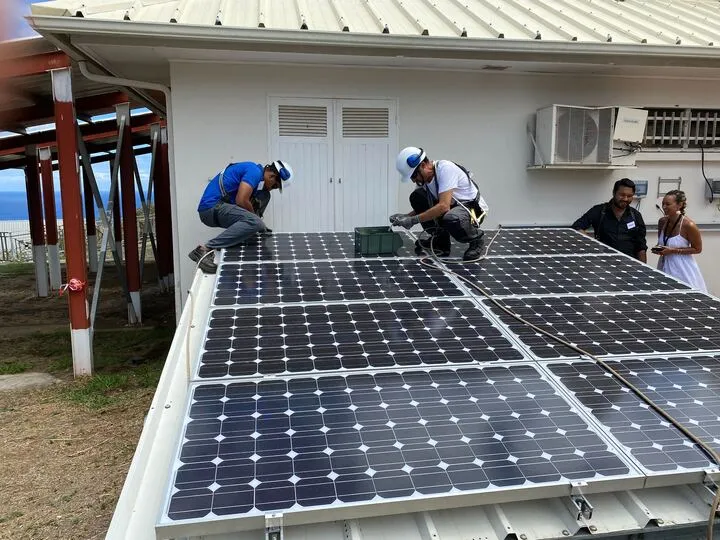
<point x="235" y="199"/>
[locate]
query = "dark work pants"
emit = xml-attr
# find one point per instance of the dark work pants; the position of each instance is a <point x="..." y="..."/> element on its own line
<point x="456" y="222"/>
<point x="239" y="224"/>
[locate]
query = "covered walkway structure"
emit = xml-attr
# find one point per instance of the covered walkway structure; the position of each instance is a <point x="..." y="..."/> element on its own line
<point x="48" y="122"/>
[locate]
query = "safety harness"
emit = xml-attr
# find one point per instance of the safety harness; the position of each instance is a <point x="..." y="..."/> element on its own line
<point x="477" y="208"/>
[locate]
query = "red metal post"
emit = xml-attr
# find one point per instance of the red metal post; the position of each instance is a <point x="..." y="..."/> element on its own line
<point x="164" y="194"/>
<point x="90" y="223"/>
<point x="35" y="215"/>
<point x="130" y="231"/>
<point x="51" y="229"/>
<point x="70" y="191"/>
<point x="162" y="216"/>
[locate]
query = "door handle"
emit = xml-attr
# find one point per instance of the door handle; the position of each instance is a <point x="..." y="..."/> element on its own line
<point x="339" y="180"/>
<point x="331" y="179"/>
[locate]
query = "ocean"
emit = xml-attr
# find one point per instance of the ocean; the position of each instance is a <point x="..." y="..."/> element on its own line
<point x="13" y="205"/>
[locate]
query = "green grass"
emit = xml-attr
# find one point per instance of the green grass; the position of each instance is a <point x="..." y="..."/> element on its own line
<point x="15" y="269"/>
<point x="124" y="359"/>
<point x="113" y="349"/>
<point x="13" y="367"/>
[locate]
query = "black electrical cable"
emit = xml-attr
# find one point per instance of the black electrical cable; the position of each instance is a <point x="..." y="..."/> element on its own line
<point x="702" y="169"/>
<point x="707" y="450"/>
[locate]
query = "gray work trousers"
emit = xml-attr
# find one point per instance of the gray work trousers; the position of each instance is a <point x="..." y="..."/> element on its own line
<point x="239" y="224"/>
<point x="456" y="221"/>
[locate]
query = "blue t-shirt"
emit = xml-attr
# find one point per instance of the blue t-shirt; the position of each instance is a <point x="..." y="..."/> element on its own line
<point x="247" y="171"/>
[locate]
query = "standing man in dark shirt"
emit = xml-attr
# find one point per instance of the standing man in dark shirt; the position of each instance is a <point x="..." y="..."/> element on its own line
<point x="616" y="223"/>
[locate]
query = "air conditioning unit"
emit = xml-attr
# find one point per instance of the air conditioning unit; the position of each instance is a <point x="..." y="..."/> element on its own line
<point x="569" y="135"/>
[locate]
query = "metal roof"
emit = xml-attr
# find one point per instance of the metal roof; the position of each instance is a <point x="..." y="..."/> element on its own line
<point x="694" y="23"/>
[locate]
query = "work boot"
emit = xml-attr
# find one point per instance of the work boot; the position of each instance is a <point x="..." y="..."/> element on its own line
<point x="206" y="263"/>
<point x="440" y="244"/>
<point x="474" y="250"/>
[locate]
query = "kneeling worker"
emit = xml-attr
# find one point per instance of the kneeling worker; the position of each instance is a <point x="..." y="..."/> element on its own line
<point x="235" y="199"/>
<point x="446" y="203"/>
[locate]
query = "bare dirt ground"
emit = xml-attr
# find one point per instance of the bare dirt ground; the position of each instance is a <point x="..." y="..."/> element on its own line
<point x="65" y="449"/>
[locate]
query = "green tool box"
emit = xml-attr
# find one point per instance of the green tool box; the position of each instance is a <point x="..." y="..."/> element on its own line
<point x="377" y="241"/>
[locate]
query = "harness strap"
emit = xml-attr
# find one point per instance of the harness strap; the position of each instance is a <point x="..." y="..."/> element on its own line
<point x="224" y="194"/>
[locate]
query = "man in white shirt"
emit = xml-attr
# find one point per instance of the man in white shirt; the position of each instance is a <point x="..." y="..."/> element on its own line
<point x="446" y="203"/>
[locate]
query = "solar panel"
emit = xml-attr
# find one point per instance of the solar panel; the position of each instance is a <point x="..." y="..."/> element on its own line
<point x="515" y="242"/>
<point x="328" y="380"/>
<point x="686" y="387"/>
<point x="290" y="445"/>
<point x="617" y="325"/>
<point x="303" y="246"/>
<point x="565" y="275"/>
<point x="317" y="281"/>
<point x="322" y="337"/>
<point x="654" y="443"/>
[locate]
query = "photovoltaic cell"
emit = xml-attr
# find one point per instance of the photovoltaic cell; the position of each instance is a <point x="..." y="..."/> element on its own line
<point x="316" y="281"/>
<point x="303" y="246"/>
<point x="323" y="337"/>
<point x="565" y="275"/>
<point x="654" y="443"/>
<point x="280" y="445"/>
<point x="617" y="325"/>
<point x="543" y="242"/>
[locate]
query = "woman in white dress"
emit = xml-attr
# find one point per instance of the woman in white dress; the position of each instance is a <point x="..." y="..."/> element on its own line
<point x="678" y="240"/>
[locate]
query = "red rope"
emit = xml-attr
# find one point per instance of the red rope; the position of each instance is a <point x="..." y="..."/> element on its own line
<point x="74" y="285"/>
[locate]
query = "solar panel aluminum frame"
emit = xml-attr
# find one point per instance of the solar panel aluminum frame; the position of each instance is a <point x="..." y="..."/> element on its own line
<point x="509" y="336"/>
<point x="653" y="479"/>
<point x="169" y="529"/>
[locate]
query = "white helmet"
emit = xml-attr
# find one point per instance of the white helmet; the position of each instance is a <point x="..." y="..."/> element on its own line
<point x="285" y="173"/>
<point x="408" y="160"/>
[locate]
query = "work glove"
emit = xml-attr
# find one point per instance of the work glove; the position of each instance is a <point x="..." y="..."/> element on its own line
<point x="395" y="217"/>
<point x="407" y="221"/>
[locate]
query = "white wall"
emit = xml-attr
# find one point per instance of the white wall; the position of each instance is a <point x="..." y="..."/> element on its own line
<point x="221" y="114"/>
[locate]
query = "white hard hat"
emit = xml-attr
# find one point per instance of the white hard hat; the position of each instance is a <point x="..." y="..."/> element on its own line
<point x="408" y="160"/>
<point x="285" y="173"/>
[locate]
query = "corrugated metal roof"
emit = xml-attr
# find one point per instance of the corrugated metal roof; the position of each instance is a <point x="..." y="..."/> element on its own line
<point x="654" y="22"/>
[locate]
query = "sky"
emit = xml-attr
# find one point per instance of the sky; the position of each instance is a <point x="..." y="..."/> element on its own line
<point x="18" y="27"/>
<point x="14" y="180"/>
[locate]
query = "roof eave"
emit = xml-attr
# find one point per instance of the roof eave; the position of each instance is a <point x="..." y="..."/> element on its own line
<point x="222" y="37"/>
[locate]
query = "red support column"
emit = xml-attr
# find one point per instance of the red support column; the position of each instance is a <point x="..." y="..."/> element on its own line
<point x="51" y="229"/>
<point x="89" y="202"/>
<point x="35" y="215"/>
<point x="70" y="190"/>
<point x="162" y="210"/>
<point x="130" y="231"/>
<point x="164" y="194"/>
<point x="117" y="219"/>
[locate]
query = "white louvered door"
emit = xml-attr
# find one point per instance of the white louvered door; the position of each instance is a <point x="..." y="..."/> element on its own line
<point x="302" y="135"/>
<point x="365" y="189"/>
<point x="342" y="152"/>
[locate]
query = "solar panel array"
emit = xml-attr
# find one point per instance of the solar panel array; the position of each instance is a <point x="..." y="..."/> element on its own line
<point x="326" y="378"/>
